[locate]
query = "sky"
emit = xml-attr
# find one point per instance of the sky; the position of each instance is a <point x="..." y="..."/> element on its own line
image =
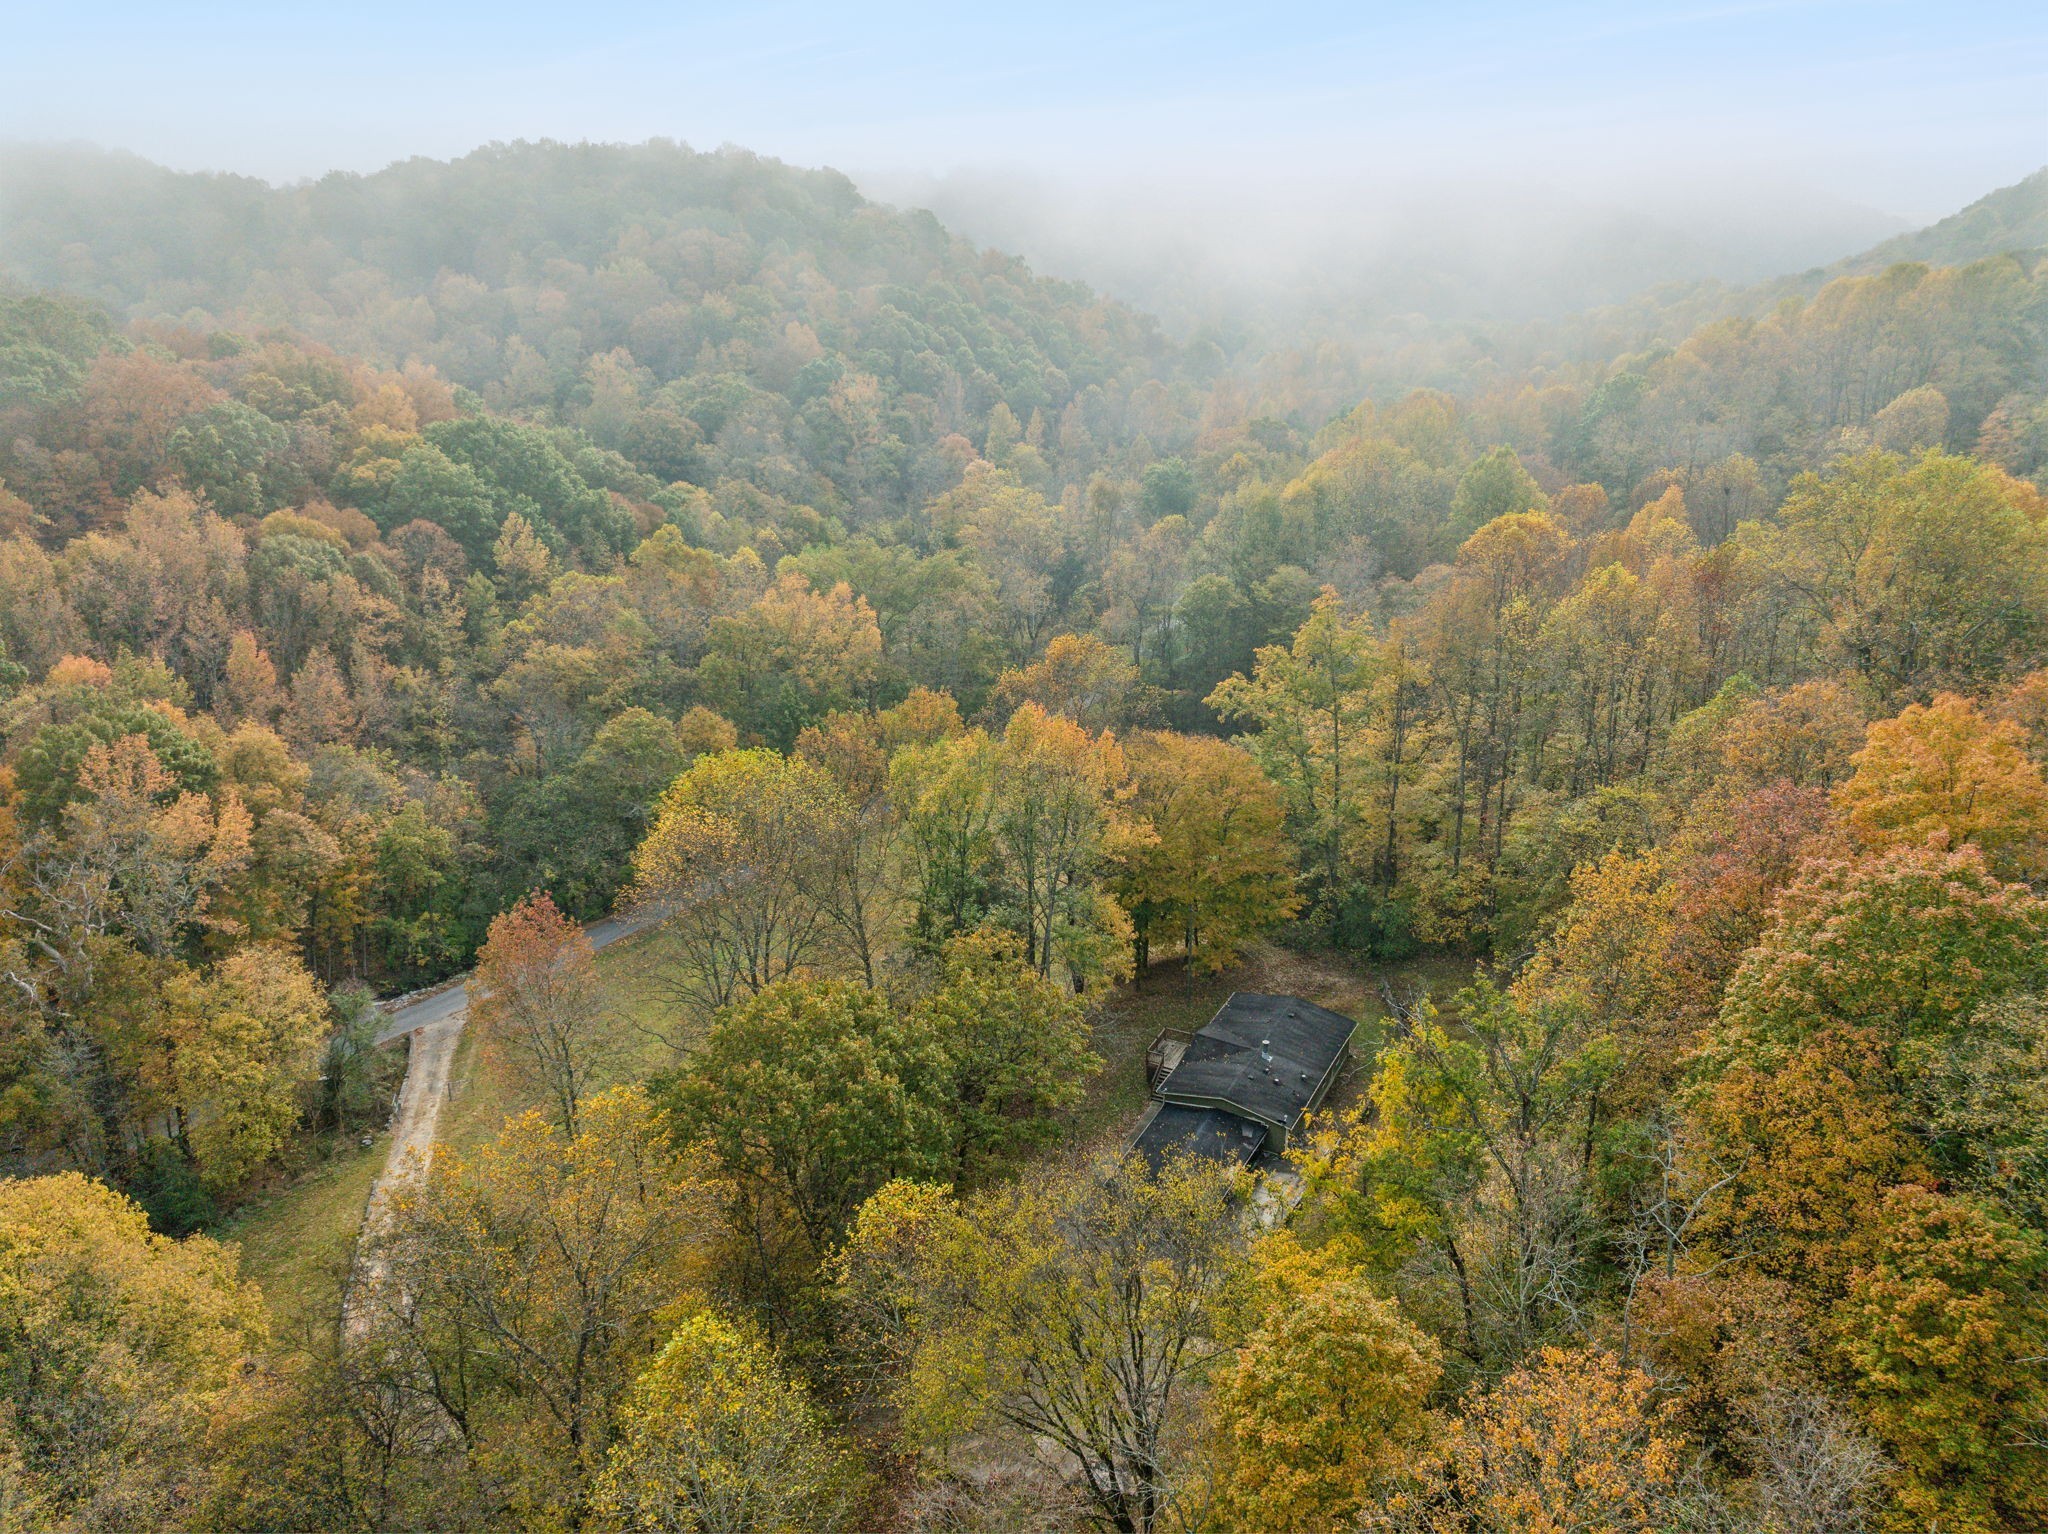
<point x="1911" y="108"/>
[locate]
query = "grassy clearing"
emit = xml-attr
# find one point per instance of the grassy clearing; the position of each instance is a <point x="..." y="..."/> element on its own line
<point x="645" y="1029"/>
<point x="296" y="1241"/>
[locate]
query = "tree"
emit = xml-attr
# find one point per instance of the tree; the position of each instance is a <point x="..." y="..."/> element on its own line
<point x="1312" y="702"/>
<point x="1322" y="1409"/>
<point x="1817" y="1135"/>
<point x="716" y="1439"/>
<point x="1074" y="1308"/>
<point x="1574" y="1440"/>
<point x="1945" y="1327"/>
<point x="1078" y="678"/>
<point x="525" y="1280"/>
<point x="1943" y="767"/>
<point x="734" y="860"/>
<point x="1217" y="871"/>
<point x="809" y="1095"/>
<point x="1611" y="953"/>
<point x="1805" y="735"/>
<point x="1494" y="486"/>
<point x="1016" y="1045"/>
<point x="1912" y="423"/>
<point x="575" y="831"/>
<point x="1016" y="539"/>
<point x="945" y="793"/>
<point x="538" y="1002"/>
<point x="792" y="658"/>
<point x="233" y="455"/>
<point x="116" y="1347"/>
<point x="1982" y="1097"/>
<point x="1914" y="578"/>
<point x="1056" y="823"/>
<point x="1477" y="1158"/>
<point x="1904" y="944"/>
<point x="246" y="1040"/>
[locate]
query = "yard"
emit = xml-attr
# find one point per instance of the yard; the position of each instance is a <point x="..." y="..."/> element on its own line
<point x="296" y="1242"/>
<point x="1171" y="996"/>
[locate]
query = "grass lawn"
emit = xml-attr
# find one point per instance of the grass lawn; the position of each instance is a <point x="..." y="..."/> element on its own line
<point x="296" y="1241"/>
<point x="642" y="1041"/>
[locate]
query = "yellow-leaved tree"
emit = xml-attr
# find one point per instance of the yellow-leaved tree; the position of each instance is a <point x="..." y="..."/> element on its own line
<point x="1573" y="1440"/>
<point x="738" y="863"/>
<point x="246" y="1038"/>
<point x="116" y="1346"/>
<point x="1944" y="767"/>
<point x="526" y="1281"/>
<point x="1218" y="870"/>
<point x="1321" y="1410"/>
<point x="716" y="1439"/>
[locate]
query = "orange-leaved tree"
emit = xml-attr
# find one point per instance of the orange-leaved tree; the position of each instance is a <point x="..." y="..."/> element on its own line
<point x="540" y="1005"/>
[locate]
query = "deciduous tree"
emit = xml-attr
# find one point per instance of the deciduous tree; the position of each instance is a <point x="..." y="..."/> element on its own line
<point x="538" y="1002"/>
<point x="1321" y="1412"/>
<point x="1074" y="1308"/>
<point x="1016" y="1046"/>
<point x="1217" y="871"/>
<point x="716" y="1439"/>
<point x="735" y="861"/>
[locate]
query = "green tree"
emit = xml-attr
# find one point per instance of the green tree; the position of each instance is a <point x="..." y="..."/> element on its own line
<point x="1905" y="945"/>
<point x="1493" y="486"/>
<point x="1016" y="1045"/>
<point x="1476" y="1156"/>
<point x="1312" y="703"/>
<point x="1912" y="577"/>
<point x="810" y="1095"/>
<point x="247" y="1040"/>
<point x="233" y="456"/>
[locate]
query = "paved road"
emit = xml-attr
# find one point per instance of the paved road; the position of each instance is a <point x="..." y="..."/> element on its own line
<point x="452" y="997"/>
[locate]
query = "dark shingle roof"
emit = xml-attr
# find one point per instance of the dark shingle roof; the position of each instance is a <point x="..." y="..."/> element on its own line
<point x="1208" y="1132"/>
<point x="1226" y="1061"/>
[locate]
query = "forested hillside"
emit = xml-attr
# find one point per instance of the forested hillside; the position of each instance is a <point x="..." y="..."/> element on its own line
<point x="714" y="316"/>
<point x="2011" y="220"/>
<point x="397" y="569"/>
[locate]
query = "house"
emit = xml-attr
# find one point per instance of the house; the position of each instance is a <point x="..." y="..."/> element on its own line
<point x="1243" y="1082"/>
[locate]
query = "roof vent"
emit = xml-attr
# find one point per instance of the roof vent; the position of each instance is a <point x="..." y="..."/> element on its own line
<point x="1266" y="1050"/>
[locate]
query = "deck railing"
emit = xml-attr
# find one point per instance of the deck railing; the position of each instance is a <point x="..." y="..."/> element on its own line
<point x="1163" y="1054"/>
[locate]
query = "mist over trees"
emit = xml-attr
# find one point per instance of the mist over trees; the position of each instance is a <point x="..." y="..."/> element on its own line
<point x="958" y="670"/>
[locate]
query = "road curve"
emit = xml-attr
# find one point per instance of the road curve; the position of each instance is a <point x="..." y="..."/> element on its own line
<point x="451" y="998"/>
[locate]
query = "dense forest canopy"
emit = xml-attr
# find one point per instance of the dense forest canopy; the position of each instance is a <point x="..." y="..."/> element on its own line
<point x="399" y="571"/>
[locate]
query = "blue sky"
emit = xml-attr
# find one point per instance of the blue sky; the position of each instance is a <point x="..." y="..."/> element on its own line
<point x="1910" y="107"/>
